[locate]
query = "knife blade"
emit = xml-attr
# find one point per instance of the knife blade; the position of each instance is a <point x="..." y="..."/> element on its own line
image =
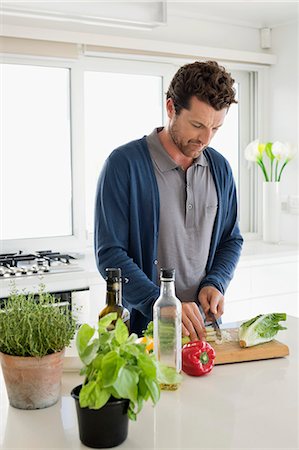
<point x="215" y="325"/>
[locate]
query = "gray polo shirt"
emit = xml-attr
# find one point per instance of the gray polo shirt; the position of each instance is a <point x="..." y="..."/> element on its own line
<point x="188" y="206"/>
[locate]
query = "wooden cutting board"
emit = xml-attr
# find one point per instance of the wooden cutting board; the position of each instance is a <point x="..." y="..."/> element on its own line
<point x="231" y="352"/>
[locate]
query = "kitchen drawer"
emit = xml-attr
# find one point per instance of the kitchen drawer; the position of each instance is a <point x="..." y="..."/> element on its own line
<point x="246" y="309"/>
<point x="274" y="279"/>
<point x="263" y="280"/>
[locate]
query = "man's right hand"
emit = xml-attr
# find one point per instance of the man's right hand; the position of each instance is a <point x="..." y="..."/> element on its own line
<point x="192" y="321"/>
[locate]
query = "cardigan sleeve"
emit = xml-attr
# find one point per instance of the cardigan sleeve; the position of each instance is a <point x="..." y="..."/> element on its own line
<point x="227" y="245"/>
<point x="114" y="234"/>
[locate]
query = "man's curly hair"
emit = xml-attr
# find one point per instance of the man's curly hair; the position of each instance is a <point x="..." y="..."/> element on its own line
<point x="206" y="80"/>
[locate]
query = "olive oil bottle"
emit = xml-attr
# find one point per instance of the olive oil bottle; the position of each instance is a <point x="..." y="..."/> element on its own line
<point x="114" y="298"/>
<point x="168" y="325"/>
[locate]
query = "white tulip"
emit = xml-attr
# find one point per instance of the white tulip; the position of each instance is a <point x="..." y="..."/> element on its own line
<point x="252" y="152"/>
<point x="281" y="151"/>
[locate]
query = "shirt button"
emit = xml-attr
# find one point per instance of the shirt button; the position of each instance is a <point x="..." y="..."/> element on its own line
<point x="156" y="262"/>
<point x="190" y="206"/>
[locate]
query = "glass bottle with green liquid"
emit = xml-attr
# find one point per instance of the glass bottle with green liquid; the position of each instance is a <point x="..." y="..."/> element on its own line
<point x="167" y="314"/>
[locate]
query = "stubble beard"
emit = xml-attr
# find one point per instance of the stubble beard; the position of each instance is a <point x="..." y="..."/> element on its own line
<point x="184" y="149"/>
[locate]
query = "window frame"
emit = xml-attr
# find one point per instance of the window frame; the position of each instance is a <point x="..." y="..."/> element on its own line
<point x="81" y="241"/>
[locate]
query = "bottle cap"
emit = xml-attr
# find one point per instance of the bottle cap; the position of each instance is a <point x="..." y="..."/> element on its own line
<point x="167" y="274"/>
<point x="113" y="273"/>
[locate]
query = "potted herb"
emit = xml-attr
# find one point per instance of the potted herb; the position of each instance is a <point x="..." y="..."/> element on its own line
<point x="34" y="331"/>
<point x="120" y="374"/>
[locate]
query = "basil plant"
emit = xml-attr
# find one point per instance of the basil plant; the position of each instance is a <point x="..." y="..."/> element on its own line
<point x="115" y="365"/>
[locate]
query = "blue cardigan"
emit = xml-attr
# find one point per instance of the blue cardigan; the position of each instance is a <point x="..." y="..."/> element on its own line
<point x="127" y="224"/>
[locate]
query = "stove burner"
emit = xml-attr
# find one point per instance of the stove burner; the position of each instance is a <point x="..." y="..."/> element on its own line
<point x="39" y="262"/>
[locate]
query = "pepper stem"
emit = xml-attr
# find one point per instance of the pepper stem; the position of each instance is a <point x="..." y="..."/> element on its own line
<point x="204" y="358"/>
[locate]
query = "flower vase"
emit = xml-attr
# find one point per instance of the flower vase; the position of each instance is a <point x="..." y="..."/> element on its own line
<point x="271" y="211"/>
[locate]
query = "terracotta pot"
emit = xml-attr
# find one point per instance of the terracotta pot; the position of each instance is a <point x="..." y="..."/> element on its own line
<point x="32" y="382"/>
<point x="105" y="427"/>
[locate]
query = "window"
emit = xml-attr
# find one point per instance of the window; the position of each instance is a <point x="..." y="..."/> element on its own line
<point x="230" y="141"/>
<point x="60" y="121"/>
<point x="119" y="107"/>
<point x="36" y="191"/>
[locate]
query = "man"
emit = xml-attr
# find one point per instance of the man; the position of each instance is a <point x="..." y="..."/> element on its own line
<point x="169" y="200"/>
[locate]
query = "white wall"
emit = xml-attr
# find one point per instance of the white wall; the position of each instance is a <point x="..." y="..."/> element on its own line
<point x="194" y="31"/>
<point x="283" y="114"/>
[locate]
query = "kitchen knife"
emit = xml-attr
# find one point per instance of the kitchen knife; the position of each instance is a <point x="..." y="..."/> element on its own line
<point x="215" y="325"/>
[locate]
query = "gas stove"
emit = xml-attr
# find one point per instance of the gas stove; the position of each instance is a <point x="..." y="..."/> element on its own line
<point x="37" y="263"/>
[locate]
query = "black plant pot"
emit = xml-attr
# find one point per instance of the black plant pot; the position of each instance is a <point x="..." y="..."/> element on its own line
<point x="104" y="427"/>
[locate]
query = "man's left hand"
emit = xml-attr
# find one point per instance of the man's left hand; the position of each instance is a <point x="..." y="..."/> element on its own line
<point x="211" y="300"/>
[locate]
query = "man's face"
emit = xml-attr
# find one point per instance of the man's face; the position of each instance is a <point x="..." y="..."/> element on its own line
<point x="193" y="129"/>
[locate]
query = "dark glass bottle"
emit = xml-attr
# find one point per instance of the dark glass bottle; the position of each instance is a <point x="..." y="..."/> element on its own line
<point x="114" y="297"/>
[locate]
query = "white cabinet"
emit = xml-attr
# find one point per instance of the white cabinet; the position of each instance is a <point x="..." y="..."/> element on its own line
<point x="266" y="280"/>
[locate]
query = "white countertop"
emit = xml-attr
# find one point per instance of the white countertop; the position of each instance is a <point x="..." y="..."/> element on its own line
<point x="250" y="405"/>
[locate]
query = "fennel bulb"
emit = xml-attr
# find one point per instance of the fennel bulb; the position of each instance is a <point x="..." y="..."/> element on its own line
<point x="260" y="329"/>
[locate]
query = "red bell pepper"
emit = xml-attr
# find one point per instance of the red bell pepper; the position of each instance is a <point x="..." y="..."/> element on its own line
<point x="198" y="358"/>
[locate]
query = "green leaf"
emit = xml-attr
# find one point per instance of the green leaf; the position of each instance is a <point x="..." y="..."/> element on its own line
<point x="154" y="389"/>
<point x="101" y="397"/>
<point x="149" y="330"/>
<point x="139" y="403"/>
<point x="92" y="396"/>
<point x="97" y="362"/>
<point x="105" y="321"/>
<point x="104" y="338"/>
<point x="126" y="384"/>
<point x="86" y="396"/>
<point x="132" y="349"/>
<point x="147" y="365"/>
<point x="121" y="332"/>
<point x="131" y="414"/>
<point x="89" y="352"/>
<point x="111" y="364"/>
<point x="84" y="335"/>
<point x="143" y="391"/>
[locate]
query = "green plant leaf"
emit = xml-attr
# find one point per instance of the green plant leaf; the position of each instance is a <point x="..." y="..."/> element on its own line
<point x="143" y="391"/>
<point x="132" y="349"/>
<point x="111" y="364"/>
<point x="105" y="321"/>
<point x="121" y="332"/>
<point x="97" y="362"/>
<point x="126" y="384"/>
<point x="101" y="397"/>
<point x="89" y="352"/>
<point x="154" y="389"/>
<point x="147" y="365"/>
<point x="92" y="396"/>
<point x="131" y="414"/>
<point x="86" y="396"/>
<point x="84" y="335"/>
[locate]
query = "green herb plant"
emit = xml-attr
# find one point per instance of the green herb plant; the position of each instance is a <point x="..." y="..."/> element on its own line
<point x="34" y="325"/>
<point x="115" y="366"/>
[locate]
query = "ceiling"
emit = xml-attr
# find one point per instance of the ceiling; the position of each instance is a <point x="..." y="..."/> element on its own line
<point x="256" y="14"/>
